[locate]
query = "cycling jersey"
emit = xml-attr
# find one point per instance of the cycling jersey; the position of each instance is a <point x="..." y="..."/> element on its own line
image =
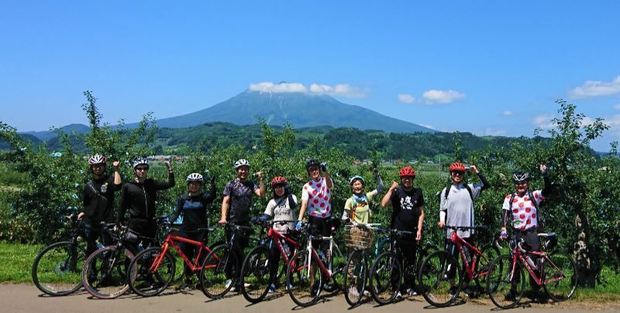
<point x="280" y="209"/>
<point x="194" y="210"/>
<point x="318" y="197"/>
<point x="139" y="198"/>
<point x="524" y="213"/>
<point x="240" y="193"/>
<point x="98" y="199"/>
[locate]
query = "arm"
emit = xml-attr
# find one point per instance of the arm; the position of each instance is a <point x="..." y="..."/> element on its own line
<point x="388" y="195"/>
<point x="117" y="176"/>
<point x="380" y="185"/>
<point x="418" y="235"/>
<point x="547" y="187"/>
<point x="260" y="191"/>
<point x="177" y="211"/>
<point x="225" y="205"/>
<point x="85" y="201"/>
<point x="124" y="204"/>
<point x="484" y="182"/>
<point x="302" y="210"/>
<point x="159" y="185"/>
<point x="442" y="209"/>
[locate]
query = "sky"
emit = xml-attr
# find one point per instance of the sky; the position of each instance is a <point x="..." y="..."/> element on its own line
<point x="486" y="67"/>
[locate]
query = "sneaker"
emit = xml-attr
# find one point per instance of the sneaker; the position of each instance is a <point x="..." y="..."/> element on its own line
<point x="453" y="290"/>
<point x="185" y="286"/>
<point x="511" y="296"/>
<point x="228" y="283"/>
<point x="399" y="296"/>
<point x="272" y="288"/>
<point x="411" y="292"/>
<point x="353" y="292"/>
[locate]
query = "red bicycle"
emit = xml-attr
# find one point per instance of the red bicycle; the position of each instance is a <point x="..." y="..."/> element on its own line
<point x="441" y="277"/>
<point x="152" y="270"/>
<point x="257" y="271"/>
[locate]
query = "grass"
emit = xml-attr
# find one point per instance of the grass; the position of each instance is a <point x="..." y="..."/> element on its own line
<point x="16" y="262"/>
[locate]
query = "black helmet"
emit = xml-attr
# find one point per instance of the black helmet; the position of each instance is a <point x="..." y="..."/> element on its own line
<point x="520" y="177"/>
<point x="312" y="162"/>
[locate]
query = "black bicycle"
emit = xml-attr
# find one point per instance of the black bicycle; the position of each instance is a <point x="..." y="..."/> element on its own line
<point x="57" y="268"/>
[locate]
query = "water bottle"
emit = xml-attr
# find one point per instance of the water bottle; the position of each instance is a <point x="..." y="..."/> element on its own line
<point x="285" y="247"/>
<point x="322" y="256"/>
<point x="529" y="261"/>
<point x="99" y="245"/>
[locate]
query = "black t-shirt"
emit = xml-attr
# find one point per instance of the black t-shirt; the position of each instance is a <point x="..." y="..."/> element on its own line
<point x="240" y="193"/>
<point x="406" y="208"/>
<point x="139" y="198"/>
<point x="194" y="210"/>
<point x="98" y="199"/>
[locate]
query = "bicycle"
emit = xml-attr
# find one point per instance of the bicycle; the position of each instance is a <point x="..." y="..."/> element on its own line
<point x="256" y="271"/>
<point x="57" y="268"/>
<point x="358" y="238"/>
<point x="304" y="281"/>
<point x="106" y="270"/>
<point x="153" y="269"/>
<point x="555" y="272"/>
<point x="219" y="272"/>
<point x="440" y="275"/>
<point x="388" y="269"/>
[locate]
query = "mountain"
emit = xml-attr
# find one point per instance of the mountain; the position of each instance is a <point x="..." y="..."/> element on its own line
<point x="69" y="129"/>
<point x="299" y="109"/>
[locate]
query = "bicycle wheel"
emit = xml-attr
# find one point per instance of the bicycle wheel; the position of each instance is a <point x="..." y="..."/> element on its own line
<point x="303" y="279"/>
<point x="489" y="253"/>
<point x="339" y="261"/>
<point x="385" y="277"/>
<point x="105" y="272"/>
<point x="505" y="286"/>
<point x="355" y="277"/>
<point x="255" y="275"/>
<point x="146" y="281"/>
<point x="57" y="269"/>
<point x="559" y="273"/>
<point x="441" y="278"/>
<point x="218" y="274"/>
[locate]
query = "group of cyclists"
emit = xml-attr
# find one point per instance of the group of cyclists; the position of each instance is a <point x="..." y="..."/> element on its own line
<point x="316" y="212"/>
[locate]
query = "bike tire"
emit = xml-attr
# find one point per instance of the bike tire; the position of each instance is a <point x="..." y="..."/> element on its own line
<point x="386" y="277"/>
<point x="214" y="280"/>
<point x="57" y="268"/>
<point x="355" y="274"/>
<point x="489" y="253"/>
<point x="302" y="283"/>
<point x="559" y="273"/>
<point x="256" y="275"/>
<point x="142" y="280"/>
<point x="105" y="272"/>
<point x="504" y="285"/>
<point x="436" y="284"/>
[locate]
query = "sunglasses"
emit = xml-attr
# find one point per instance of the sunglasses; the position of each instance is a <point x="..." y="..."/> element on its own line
<point x="142" y="168"/>
<point x="458" y="173"/>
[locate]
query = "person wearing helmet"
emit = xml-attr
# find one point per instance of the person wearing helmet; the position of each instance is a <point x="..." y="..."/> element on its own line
<point x="316" y="199"/>
<point x="193" y="206"/>
<point x="98" y="201"/>
<point x="357" y="207"/>
<point x="236" y="206"/>
<point x="456" y="206"/>
<point x="520" y="209"/>
<point x="281" y="208"/>
<point x="407" y="215"/>
<point x="139" y="196"/>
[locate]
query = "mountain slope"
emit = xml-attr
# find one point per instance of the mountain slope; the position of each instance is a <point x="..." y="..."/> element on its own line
<point x="300" y="110"/>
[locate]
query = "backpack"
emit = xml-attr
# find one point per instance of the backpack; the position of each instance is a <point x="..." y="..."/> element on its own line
<point x="540" y="223"/>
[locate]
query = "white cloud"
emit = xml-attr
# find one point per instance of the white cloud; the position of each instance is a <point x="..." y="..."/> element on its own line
<point x="543" y="121"/>
<point x="617" y="106"/>
<point x="428" y="126"/>
<point x="406" y="98"/>
<point x="278" y="88"/>
<point x="595" y="88"/>
<point x="507" y="113"/>
<point x="442" y="96"/>
<point x="342" y="90"/>
<point x="494" y="132"/>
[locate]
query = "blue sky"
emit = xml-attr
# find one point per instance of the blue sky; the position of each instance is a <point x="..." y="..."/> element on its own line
<point x="487" y="67"/>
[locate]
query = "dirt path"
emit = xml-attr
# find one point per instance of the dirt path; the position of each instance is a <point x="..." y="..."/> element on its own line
<point x="26" y="298"/>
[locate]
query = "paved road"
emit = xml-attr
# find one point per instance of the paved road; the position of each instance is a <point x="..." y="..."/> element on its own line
<point x="26" y="298"/>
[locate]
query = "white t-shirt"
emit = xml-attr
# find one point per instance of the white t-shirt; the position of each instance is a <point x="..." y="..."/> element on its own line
<point x="459" y="207"/>
<point x="523" y="210"/>
<point x="280" y="210"/>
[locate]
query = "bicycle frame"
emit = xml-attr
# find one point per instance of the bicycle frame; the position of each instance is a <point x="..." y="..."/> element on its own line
<point x="476" y="254"/>
<point x="173" y="240"/>
<point x="519" y="256"/>
<point x="276" y="238"/>
<point x="326" y="271"/>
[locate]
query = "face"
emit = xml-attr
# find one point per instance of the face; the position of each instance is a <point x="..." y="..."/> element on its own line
<point x="407" y="181"/>
<point x="279" y="190"/>
<point x="98" y="169"/>
<point x="522" y="187"/>
<point x="457" y="177"/>
<point x="194" y="186"/>
<point x="314" y="172"/>
<point x="242" y="172"/>
<point x="357" y="186"/>
<point x="141" y="171"/>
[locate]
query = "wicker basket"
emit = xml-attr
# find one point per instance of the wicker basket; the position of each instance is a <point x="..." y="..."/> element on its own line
<point x="357" y="237"/>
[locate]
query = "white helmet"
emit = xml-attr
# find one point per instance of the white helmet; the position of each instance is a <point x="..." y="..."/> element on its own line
<point x="96" y="159"/>
<point x="194" y="177"/>
<point x="140" y="161"/>
<point x="241" y="162"/>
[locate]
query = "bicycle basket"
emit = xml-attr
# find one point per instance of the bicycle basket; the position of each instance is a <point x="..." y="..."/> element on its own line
<point x="357" y="237"/>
